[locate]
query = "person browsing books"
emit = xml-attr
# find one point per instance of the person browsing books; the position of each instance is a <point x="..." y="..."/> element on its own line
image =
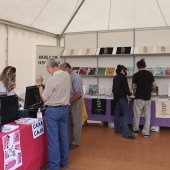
<point x="142" y="82"/>
<point x="56" y="97"/>
<point x="75" y="116"/>
<point x="121" y="94"/>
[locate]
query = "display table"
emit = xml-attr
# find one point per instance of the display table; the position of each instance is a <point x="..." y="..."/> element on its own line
<point x="165" y="122"/>
<point x="34" y="151"/>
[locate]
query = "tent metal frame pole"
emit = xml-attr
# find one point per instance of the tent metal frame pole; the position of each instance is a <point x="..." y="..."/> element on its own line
<point x="12" y="24"/>
<point x="72" y="17"/>
<point x="6" y="54"/>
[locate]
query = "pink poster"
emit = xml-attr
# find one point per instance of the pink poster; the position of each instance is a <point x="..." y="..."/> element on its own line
<point x="12" y="151"/>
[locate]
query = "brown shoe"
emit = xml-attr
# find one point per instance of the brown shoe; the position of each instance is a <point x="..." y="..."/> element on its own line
<point x="73" y="146"/>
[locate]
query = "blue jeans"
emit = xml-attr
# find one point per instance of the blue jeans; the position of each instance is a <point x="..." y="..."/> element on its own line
<point x="122" y="106"/>
<point x="56" y="120"/>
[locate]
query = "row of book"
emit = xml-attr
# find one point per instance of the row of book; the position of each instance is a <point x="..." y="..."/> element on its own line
<point x="110" y="71"/>
<point x="101" y="71"/>
<point x="117" y="50"/>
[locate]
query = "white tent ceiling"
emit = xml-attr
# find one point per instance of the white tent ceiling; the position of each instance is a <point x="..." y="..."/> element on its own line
<point x="54" y="15"/>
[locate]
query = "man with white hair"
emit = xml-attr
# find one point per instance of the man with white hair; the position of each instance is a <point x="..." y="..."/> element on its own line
<point x="56" y="97"/>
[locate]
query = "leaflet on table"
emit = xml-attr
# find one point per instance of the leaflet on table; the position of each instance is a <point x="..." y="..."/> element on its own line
<point x="12" y="151"/>
<point x="26" y="121"/>
<point x="9" y="127"/>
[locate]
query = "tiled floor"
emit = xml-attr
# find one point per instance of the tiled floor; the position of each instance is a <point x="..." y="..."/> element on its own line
<point x="102" y="149"/>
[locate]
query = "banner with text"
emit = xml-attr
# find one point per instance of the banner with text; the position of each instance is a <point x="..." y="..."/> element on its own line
<point x="37" y="129"/>
<point x="162" y="109"/>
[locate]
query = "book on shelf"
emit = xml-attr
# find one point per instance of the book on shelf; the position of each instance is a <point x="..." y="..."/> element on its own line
<point x="110" y="71"/>
<point x="71" y="52"/>
<point x="88" y="51"/>
<point x="123" y="50"/>
<point x="106" y="50"/>
<point x="92" y="88"/>
<point x="162" y="49"/>
<point x="129" y="71"/>
<point x="151" y="70"/>
<point x="83" y="70"/>
<point x="101" y="71"/>
<point x="91" y="71"/>
<point x="144" y="50"/>
<point x="167" y="71"/>
<point x="159" y="72"/>
<point x="155" y="91"/>
<point x="76" y="69"/>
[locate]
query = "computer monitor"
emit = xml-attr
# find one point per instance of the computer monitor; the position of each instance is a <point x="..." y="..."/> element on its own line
<point x="32" y="97"/>
<point x="8" y="109"/>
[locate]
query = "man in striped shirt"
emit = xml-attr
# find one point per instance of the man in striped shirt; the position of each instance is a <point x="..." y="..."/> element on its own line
<point x="75" y="116"/>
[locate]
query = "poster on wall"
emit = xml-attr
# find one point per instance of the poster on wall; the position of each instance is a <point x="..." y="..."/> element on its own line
<point x="162" y="109"/>
<point x="99" y="106"/>
<point x="12" y="151"/>
<point x="43" y="53"/>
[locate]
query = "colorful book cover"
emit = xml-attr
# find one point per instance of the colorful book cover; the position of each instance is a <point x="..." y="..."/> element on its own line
<point x="129" y="71"/>
<point x="101" y="71"/>
<point x="92" y="88"/>
<point x="76" y="69"/>
<point x="159" y="72"/>
<point x="110" y="71"/>
<point x="167" y="71"/>
<point x="91" y="71"/>
<point x="83" y="70"/>
<point x="123" y="50"/>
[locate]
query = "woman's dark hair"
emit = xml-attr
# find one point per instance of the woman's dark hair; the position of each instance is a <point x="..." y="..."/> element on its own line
<point x="120" y="68"/>
<point x="141" y="63"/>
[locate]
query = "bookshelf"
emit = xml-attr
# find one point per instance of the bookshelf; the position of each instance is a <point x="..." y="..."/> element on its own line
<point x="153" y="39"/>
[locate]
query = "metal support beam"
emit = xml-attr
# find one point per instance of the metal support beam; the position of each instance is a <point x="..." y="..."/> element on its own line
<point x="13" y="24"/>
<point x="72" y="17"/>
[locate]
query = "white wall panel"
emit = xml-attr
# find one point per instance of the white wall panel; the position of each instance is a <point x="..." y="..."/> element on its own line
<point x="82" y="40"/>
<point x="3" y="41"/>
<point x="22" y="54"/>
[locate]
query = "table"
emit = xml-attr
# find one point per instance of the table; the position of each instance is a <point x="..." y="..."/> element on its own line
<point x="34" y="151"/>
<point x="165" y="122"/>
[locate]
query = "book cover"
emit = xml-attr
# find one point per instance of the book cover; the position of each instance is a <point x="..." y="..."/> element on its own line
<point x="110" y="71"/>
<point x="92" y="88"/>
<point x="72" y="52"/>
<point x="106" y="50"/>
<point x="151" y="70"/>
<point x="146" y="50"/>
<point x="159" y="72"/>
<point x="123" y="50"/>
<point x="129" y="71"/>
<point x="83" y="70"/>
<point x="101" y="71"/>
<point x="76" y="69"/>
<point x="88" y="51"/>
<point x="162" y="49"/>
<point x="91" y="71"/>
<point x="167" y="71"/>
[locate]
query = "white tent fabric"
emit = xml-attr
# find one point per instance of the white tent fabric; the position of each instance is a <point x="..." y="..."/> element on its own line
<point x="53" y="15"/>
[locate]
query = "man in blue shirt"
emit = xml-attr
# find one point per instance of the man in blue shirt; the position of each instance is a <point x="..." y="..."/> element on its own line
<point x="75" y="116"/>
